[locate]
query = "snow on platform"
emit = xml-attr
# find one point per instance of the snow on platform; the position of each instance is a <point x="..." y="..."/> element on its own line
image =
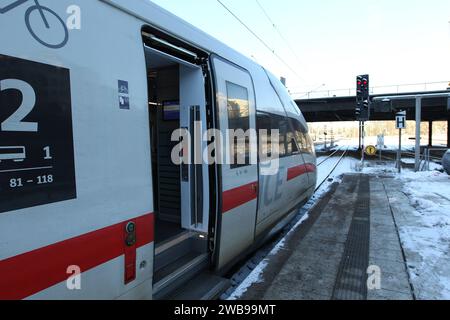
<point x="424" y="227"/>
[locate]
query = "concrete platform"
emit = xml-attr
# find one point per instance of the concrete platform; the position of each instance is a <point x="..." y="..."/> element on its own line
<point x="350" y="229"/>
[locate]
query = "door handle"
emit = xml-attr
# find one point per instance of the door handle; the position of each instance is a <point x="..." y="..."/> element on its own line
<point x="255" y="188"/>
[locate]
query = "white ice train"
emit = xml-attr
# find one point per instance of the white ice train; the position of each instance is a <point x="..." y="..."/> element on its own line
<point x="97" y="210"/>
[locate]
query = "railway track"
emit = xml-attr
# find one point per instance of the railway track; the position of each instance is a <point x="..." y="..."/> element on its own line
<point x="240" y="274"/>
<point x="330" y="157"/>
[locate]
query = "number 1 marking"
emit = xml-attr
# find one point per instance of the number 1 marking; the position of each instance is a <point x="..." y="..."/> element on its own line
<point x="47" y="154"/>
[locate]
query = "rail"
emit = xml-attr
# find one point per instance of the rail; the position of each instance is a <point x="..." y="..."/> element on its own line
<point x="330" y="156"/>
<point x="344" y="153"/>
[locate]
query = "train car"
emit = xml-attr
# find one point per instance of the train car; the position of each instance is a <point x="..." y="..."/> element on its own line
<point x="97" y="208"/>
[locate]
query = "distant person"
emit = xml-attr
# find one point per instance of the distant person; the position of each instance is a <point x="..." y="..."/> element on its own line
<point x="446" y="162"/>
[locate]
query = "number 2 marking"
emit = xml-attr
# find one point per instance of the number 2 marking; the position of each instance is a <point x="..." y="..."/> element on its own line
<point x="15" y="121"/>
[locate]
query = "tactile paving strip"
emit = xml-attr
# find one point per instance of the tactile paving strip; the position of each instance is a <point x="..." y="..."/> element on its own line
<point x="351" y="281"/>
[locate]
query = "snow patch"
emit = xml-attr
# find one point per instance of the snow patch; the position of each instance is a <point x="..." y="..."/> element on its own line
<point x="254" y="277"/>
<point x="428" y="232"/>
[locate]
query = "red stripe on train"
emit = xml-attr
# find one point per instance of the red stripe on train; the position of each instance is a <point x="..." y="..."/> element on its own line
<point x="237" y="197"/>
<point x="32" y="272"/>
<point x="301" y="170"/>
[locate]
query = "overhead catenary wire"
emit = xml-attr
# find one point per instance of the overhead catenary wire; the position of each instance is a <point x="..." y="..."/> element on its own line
<point x="261" y="40"/>
<point x="275" y="27"/>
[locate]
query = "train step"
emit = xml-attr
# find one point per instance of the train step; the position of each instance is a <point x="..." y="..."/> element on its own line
<point x="178" y="246"/>
<point x="178" y="273"/>
<point x="205" y="286"/>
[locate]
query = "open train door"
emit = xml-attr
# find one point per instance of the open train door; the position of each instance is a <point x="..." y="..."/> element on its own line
<point x="237" y="111"/>
<point x="194" y="173"/>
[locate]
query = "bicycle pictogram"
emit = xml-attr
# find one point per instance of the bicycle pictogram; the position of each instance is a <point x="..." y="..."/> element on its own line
<point x="45" y="14"/>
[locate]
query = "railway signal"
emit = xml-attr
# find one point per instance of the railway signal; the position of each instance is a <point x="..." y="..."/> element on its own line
<point x="362" y="98"/>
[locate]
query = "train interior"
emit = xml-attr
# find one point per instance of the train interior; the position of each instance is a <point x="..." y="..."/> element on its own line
<point x="180" y="249"/>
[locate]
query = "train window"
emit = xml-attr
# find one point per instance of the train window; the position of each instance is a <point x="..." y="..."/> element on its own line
<point x="239" y="119"/>
<point x="292" y="142"/>
<point x="302" y="137"/>
<point x="269" y="122"/>
<point x="282" y="125"/>
<point x="264" y="122"/>
<point x="309" y="144"/>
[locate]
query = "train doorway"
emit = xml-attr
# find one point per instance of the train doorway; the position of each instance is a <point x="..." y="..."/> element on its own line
<point x="177" y="103"/>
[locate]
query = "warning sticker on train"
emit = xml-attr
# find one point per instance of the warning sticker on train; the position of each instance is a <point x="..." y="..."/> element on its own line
<point x="36" y="137"/>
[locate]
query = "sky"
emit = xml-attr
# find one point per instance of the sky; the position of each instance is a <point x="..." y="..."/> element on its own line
<point x="327" y="43"/>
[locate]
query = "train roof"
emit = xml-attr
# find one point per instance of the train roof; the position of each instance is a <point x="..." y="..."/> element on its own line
<point x="164" y="20"/>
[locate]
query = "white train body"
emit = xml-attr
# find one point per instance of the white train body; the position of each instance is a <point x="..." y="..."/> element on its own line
<point x="94" y="108"/>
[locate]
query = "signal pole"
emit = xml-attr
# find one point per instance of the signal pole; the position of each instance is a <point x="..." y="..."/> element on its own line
<point x="359" y="136"/>
<point x="362" y="108"/>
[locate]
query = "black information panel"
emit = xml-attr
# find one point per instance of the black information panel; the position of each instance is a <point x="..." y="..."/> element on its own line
<point x="36" y="137"/>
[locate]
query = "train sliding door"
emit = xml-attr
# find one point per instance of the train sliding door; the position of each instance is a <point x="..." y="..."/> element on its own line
<point x="237" y="114"/>
<point x="194" y="173"/>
